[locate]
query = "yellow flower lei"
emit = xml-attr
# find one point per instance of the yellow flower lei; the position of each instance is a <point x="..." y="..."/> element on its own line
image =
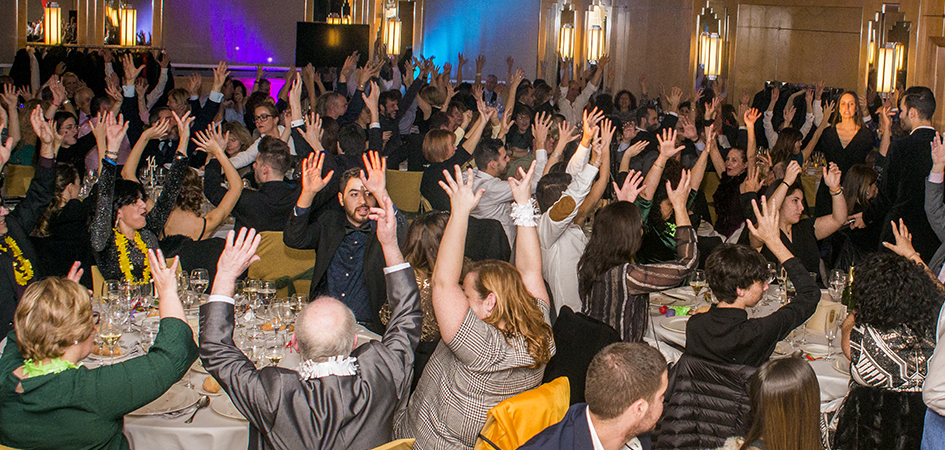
<point x="124" y="260"/>
<point x="22" y="267"/>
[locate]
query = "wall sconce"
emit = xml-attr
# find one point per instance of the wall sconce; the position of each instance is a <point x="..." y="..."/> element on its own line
<point x="595" y="43"/>
<point x="566" y="44"/>
<point x="334" y="19"/>
<point x="346" y="13"/>
<point x="52" y="23"/>
<point x="900" y="55"/>
<point x="711" y="54"/>
<point x="392" y="37"/>
<point x="886" y="69"/>
<point x="129" y="27"/>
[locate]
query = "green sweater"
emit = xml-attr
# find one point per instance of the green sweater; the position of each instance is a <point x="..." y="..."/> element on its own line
<point x="82" y="408"/>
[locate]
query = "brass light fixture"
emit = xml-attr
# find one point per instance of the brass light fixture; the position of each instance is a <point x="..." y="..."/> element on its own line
<point x="52" y="24"/>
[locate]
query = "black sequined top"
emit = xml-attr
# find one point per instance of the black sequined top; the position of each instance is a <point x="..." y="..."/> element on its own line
<point x="103" y="236"/>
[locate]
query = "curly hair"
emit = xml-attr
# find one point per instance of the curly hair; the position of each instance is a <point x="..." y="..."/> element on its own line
<point x="191" y="193"/>
<point x="891" y="291"/>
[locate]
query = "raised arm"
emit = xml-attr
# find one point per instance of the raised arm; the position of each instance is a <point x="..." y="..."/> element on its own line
<point x="12" y="117"/>
<point x="449" y="302"/>
<point x="601" y="160"/>
<point x="750" y="117"/>
<point x="934" y="205"/>
<point x="812" y="144"/>
<point x="213" y="142"/>
<point x="791" y="173"/>
<point x="827" y="225"/>
<point x="527" y="247"/>
<point x="475" y="134"/>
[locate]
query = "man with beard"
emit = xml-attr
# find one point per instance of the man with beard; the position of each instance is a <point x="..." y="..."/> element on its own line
<point x="349" y="261"/>
<point x="624" y="392"/>
<point x="649" y="126"/>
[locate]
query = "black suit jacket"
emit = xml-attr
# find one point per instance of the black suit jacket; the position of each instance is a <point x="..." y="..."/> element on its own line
<point x="20" y="223"/>
<point x="324" y="234"/>
<point x="265" y="209"/>
<point x="646" y="158"/>
<point x="910" y="161"/>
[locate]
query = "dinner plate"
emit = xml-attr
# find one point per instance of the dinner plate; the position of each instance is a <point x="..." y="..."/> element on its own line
<point x="660" y="299"/>
<point x="783" y="348"/>
<point x="683" y="293"/>
<point x="200" y="390"/>
<point x="106" y="358"/>
<point x="842" y="365"/>
<point x="176" y="398"/>
<point x="223" y="406"/>
<point x="677" y="323"/>
<point x="816" y="350"/>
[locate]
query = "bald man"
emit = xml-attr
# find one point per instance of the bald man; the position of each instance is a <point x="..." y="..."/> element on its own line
<point x="342" y="395"/>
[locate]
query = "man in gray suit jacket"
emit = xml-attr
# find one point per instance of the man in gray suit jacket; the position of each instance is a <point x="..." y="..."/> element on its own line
<point x="340" y="397"/>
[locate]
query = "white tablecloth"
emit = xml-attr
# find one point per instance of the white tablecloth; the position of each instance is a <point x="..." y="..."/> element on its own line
<point x="834" y="384"/>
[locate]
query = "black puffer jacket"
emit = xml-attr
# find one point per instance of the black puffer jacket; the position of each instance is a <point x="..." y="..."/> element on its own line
<point x="706" y="402"/>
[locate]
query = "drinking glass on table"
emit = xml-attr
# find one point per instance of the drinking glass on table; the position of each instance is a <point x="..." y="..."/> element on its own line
<point x="110" y="291"/>
<point x="127" y="298"/>
<point x="697" y="281"/>
<point x="149" y="331"/>
<point x="109" y="329"/>
<point x="267" y="291"/>
<point x="832" y="329"/>
<point x="275" y="348"/>
<point x="837" y="282"/>
<point x="199" y="280"/>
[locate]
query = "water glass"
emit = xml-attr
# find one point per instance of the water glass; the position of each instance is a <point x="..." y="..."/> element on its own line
<point x="199" y="280"/>
<point x="149" y="331"/>
<point x="275" y="348"/>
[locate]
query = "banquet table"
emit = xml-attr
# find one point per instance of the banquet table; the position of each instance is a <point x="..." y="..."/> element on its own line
<point x="664" y="334"/>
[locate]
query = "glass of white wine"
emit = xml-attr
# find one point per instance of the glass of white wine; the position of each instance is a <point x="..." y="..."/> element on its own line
<point x="267" y="291"/>
<point x="275" y="348"/>
<point x="199" y="280"/>
<point x="697" y="281"/>
<point x="110" y="332"/>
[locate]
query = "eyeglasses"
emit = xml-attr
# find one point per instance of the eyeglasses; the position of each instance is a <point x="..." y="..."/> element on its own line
<point x="262" y="118"/>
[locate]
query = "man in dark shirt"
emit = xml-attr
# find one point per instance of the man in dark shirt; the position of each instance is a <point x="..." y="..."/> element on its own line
<point x="349" y="262"/>
<point x="738" y="277"/>
<point x="265" y="209"/>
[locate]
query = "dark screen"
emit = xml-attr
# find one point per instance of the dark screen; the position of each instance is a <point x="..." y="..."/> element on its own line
<point x="326" y="45"/>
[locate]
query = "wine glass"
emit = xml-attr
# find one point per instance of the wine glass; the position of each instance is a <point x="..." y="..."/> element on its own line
<point x="266" y="291"/>
<point x="127" y="298"/>
<point x="149" y="331"/>
<point x="838" y="281"/>
<point x="697" y="281"/>
<point x="110" y="291"/>
<point x="275" y="348"/>
<point x="110" y="331"/>
<point x="297" y="303"/>
<point x="831" y="329"/>
<point x="199" y="280"/>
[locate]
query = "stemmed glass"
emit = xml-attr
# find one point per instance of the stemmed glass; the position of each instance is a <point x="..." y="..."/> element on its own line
<point x="837" y="282"/>
<point x="697" y="281"/>
<point x="110" y="291"/>
<point x="127" y="297"/>
<point x="831" y="329"/>
<point x="110" y="331"/>
<point x="199" y="280"/>
<point x="275" y="348"/>
<point x="266" y="291"/>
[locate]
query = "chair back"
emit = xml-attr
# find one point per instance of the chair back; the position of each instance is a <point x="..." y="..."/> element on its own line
<point x="97" y="280"/>
<point x="400" y="444"/>
<point x="514" y="421"/>
<point x="277" y="260"/>
<point x="17" y="180"/>
<point x="577" y="339"/>
<point x="404" y="190"/>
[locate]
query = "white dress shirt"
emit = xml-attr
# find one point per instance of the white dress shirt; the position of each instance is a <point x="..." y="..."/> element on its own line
<point x="572" y="112"/>
<point x="248" y="156"/>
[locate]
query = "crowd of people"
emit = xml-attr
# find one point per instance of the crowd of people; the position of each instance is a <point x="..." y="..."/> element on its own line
<point x="541" y="199"/>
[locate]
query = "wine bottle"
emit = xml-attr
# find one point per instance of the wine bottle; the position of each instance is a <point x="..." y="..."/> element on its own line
<point x="847" y="297"/>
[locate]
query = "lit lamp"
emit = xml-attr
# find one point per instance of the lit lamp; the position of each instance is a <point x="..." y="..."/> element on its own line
<point x="392" y="37"/>
<point x="129" y="27"/>
<point x="886" y="69"/>
<point x="52" y="23"/>
<point x="334" y="19"/>
<point x="711" y="54"/>
<point x="595" y="43"/>
<point x="346" y="13"/>
<point x="566" y="43"/>
<point x="900" y="55"/>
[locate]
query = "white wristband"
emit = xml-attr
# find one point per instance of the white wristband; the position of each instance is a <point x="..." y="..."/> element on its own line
<point x="525" y="215"/>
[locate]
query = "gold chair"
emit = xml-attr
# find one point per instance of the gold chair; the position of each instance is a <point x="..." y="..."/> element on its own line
<point x="404" y="190"/>
<point x="514" y="421"/>
<point x="17" y="180"/>
<point x="400" y="444"/>
<point x="710" y="183"/>
<point x="276" y="260"/>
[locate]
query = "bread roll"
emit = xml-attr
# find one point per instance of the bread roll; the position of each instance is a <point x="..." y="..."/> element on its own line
<point x="210" y="385"/>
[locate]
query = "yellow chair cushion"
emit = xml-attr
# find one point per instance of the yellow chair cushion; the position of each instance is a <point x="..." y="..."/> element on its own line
<point x="404" y="189"/>
<point x="400" y="444"/>
<point x="278" y="260"/>
<point x="517" y="419"/>
<point x="17" y="179"/>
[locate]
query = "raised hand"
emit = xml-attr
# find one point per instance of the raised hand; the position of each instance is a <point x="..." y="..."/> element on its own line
<point x="903" y="246"/>
<point x="46" y="131"/>
<point x="679" y="196"/>
<point x="752" y="181"/>
<point x="312" y="179"/>
<point x="667" y="142"/>
<point x="57" y="89"/>
<point x="462" y="197"/>
<point x="237" y="256"/>
<point x="938" y="150"/>
<point x="193" y="84"/>
<point x="789" y="112"/>
<point x="212" y="141"/>
<point x="183" y="124"/>
<point x="165" y="278"/>
<point x="829" y="107"/>
<point x="313" y="131"/>
<point x="522" y="189"/>
<point x="219" y="76"/>
<point x="480" y="62"/>
<point x="766" y="224"/>
<point x="675" y="96"/>
<point x="688" y="129"/>
<point x="115" y="129"/>
<point x="793" y="170"/>
<point x="819" y="89"/>
<point x="165" y="60"/>
<point x="131" y="72"/>
<point x="141" y="87"/>
<point x="751" y="116"/>
<point x="9" y="96"/>
<point x="540" y="130"/>
<point x="157" y="130"/>
<point x="632" y="186"/>
<point x="374" y="177"/>
<point x="590" y="122"/>
<point x="832" y="176"/>
<point x="386" y="220"/>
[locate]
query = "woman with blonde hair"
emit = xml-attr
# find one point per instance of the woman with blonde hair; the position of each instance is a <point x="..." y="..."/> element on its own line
<point x="496" y="336"/>
<point x="239" y="138"/>
<point x="50" y="399"/>
<point x="440" y="149"/>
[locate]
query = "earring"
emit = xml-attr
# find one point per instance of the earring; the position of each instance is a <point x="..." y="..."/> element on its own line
<point x="75" y="342"/>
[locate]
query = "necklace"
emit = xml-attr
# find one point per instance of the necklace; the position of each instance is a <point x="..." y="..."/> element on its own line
<point x="124" y="258"/>
<point x="56" y="365"/>
<point x="22" y="267"/>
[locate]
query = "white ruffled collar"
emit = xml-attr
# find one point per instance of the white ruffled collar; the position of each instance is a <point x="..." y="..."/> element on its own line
<point x="336" y="365"/>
